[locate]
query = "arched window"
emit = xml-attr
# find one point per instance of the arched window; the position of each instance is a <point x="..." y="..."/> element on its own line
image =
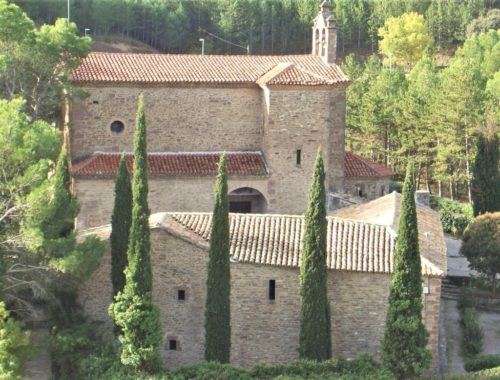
<point x="316" y="41"/>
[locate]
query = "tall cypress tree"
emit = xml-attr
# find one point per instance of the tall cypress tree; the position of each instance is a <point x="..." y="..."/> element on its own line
<point x="485" y="181"/>
<point x="134" y="311"/>
<point x="404" y="346"/>
<point x="315" y="334"/>
<point x="120" y="226"/>
<point x="217" y="309"/>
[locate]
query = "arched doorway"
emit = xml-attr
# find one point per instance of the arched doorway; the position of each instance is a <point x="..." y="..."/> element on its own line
<point x="246" y="200"/>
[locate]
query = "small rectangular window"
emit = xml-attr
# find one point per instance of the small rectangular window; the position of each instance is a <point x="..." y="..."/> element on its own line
<point x="181" y="295"/>
<point x="298" y="157"/>
<point x="172" y="345"/>
<point x="272" y="289"/>
<point x="95" y="102"/>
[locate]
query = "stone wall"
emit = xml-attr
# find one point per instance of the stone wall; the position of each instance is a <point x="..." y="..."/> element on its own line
<point x="96" y="196"/>
<point x="178" y="119"/>
<point x="302" y="118"/>
<point x="263" y="330"/>
<point x="371" y="188"/>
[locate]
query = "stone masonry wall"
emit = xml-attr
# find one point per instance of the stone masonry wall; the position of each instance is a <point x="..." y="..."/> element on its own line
<point x="302" y="118"/>
<point x="96" y="196"/>
<point x="262" y="330"/>
<point x="372" y="188"/>
<point x="178" y="119"/>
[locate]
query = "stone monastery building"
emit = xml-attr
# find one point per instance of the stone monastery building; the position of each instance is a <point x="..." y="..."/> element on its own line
<point x="269" y="114"/>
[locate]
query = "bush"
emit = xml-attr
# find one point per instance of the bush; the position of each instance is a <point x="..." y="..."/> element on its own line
<point x="362" y="367"/>
<point x="211" y="370"/>
<point x="472" y="343"/>
<point x="455" y="216"/>
<point x="479" y="363"/>
<point x="14" y="346"/>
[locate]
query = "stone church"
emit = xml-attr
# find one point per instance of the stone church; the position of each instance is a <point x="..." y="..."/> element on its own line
<point x="269" y="114"/>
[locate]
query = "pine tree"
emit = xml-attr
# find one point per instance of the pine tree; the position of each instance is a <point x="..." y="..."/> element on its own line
<point x="404" y="346"/>
<point x="485" y="176"/>
<point x="120" y="226"/>
<point x="217" y="310"/>
<point x="315" y="334"/>
<point x="134" y="311"/>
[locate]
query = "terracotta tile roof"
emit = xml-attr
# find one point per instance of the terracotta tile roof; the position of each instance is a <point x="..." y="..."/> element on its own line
<point x="386" y="211"/>
<point x="276" y="240"/>
<point x="291" y="74"/>
<point x="102" y="164"/>
<point x="209" y="69"/>
<point x="357" y="166"/>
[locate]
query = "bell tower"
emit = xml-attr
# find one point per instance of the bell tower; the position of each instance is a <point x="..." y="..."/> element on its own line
<point x="324" y="38"/>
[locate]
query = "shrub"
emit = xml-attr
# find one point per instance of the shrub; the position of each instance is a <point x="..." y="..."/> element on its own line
<point x="479" y="363"/>
<point x="14" y="346"/>
<point x="472" y="343"/>
<point x="455" y="216"/>
<point x="209" y="371"/>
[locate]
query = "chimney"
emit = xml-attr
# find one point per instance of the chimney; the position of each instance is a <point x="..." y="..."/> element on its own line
<point x="423" y="197"/>
<point x="324" y="39"/>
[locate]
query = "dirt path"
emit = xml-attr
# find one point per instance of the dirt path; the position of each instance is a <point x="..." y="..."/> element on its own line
<point x="38" y="368"/>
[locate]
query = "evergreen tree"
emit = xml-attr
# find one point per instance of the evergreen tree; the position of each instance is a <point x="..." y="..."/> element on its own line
<point x="217" y="310"/>
<point x="120" y="226"/>
<point x="485" y="176"/>
<point x="315" y="335"/>
<point x="134" y="311"/>
<point x="404" y="346"/>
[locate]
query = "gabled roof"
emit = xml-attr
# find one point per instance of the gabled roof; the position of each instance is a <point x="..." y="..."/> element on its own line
<point x="386" y="211"/>
<point x="171" y="69"/>
<point x="103" y="164"/>
<point x="357" y="166"/>
<point x="276" y="240"/>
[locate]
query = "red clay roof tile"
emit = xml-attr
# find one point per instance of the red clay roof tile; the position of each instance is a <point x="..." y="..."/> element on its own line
<point x="103" y="164"/>
<point x="208" y="69"/>
<point x="357" y="166"/>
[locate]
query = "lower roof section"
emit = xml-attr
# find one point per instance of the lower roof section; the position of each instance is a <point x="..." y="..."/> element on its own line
<point x="105" y="164"/>
<point x="244" y="163"/>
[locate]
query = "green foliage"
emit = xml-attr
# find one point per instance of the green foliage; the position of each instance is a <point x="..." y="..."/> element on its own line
<point x="455" y="216"/>
<point x="133" y="310"/>
<point x="472" y="341"/>
<point x="482" y="24"/>
<point x="479" y="363"/>
<point x="485" y="181"/>
<point x="404" y="350"/>
<point x="35" y="63"/>
<point x="14" y="346"/>
<point x="121" y="220"/>
<point x="315" y="334"/>
<point x="48" y="226"/>
<point x="481" y="245"/>
<point x="403" y="39"/>
<point x="217" y="306"/>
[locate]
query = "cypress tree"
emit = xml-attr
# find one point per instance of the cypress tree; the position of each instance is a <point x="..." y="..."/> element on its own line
<point x="121" y="220"/>
<point x="134" y="311"/>
<point x="485" y="181"/>
<point x="315" y="334"/>
<point x="404" y="346"/>
<point x="217" y="310"/>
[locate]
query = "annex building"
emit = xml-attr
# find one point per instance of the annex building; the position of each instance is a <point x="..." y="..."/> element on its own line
<point x="269" y="114"/>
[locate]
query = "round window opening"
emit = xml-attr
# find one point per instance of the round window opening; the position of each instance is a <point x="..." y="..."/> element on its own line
<point x="117" y="126"/>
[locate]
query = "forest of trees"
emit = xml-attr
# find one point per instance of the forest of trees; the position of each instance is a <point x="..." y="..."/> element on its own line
<point x="266" y="26"/>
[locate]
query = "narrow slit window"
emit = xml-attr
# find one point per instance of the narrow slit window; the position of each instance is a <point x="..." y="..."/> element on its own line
<point x="298" y="157"/>
<point x="272" y="289"/>
<point x="181" y="295"/>
<point x="172" y="345"/>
